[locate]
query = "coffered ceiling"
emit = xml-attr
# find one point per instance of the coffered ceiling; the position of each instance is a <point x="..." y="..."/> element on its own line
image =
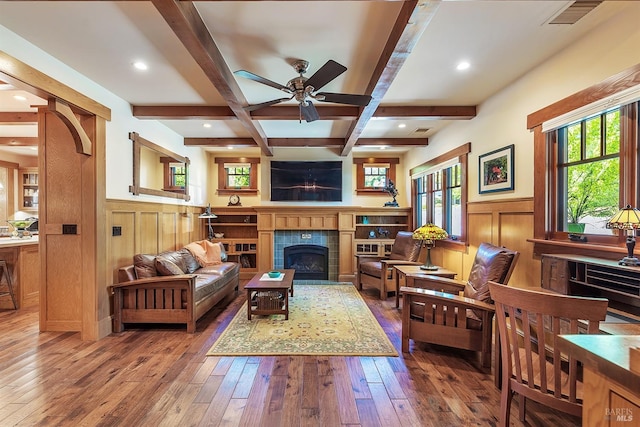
<point x="402" y="53"/>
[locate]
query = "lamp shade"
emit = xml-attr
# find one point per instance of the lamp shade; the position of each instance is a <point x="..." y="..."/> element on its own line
<point x="626" y="219"/>
<point x="429" y="233"/>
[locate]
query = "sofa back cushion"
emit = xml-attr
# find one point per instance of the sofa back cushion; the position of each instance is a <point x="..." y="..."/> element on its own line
<point x="145" y="266"/>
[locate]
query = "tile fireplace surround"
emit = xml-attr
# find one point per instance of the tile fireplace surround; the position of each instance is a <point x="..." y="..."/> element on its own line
<point x="328" y="238"/>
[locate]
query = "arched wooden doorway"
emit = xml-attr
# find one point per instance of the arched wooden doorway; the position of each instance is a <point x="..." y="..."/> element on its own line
<point x="72" y="139"/>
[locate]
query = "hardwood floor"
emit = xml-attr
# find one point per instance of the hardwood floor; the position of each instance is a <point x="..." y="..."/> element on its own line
<point x="160" y="376"/>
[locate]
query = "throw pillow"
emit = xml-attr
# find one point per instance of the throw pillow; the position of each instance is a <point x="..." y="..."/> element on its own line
<point x="167" y="268"/>
<point x="144" y="266"/>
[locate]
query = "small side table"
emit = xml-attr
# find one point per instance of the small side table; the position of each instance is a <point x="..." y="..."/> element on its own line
<point x="402" y="271"/>
<point x="269" y="296"/>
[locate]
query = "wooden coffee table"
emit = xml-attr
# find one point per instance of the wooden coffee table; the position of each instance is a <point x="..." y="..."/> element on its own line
<point x="401" y="271"/>
<point x="269" y="296"/>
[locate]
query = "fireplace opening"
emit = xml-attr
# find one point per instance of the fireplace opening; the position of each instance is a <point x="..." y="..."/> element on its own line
<point x="311" y="262"/>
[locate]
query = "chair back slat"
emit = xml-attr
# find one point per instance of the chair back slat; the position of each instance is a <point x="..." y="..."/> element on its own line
<point x="529" y="323"/>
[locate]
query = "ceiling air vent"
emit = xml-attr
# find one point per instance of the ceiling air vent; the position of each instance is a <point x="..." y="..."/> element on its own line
<point x="574" y="12"/>
<point x="421" y="130"/>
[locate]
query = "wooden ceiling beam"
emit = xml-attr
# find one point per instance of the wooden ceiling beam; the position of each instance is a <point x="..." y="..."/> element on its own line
<point x="304" y="142"/>
<point x="393" y="141"/>
<point x="18" y="117"/>
<point x="291" y="112"/>
<point x="19" y="141"/>
<point x="413" y="19"/>
<point x="219" y="142"/>
<point x="183" y="112"/>
<point x="187" y="24"/>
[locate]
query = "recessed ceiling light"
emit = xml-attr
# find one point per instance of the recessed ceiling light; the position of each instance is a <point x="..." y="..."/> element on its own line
<point x="463" y="66"/>
<point x="20" y="97"/>
<point x="139" y="65"/>
<point x="207" y="125"/>
<point x="402" y="125"/>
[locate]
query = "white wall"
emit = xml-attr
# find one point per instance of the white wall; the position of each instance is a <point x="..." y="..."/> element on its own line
<point x="501" y="120"/>
<point x="119" y="149"/>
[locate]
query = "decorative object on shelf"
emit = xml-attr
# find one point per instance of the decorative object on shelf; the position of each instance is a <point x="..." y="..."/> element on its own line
<point x="372" y="234"/>
<point x="393" y="192"/>
<point x="429" y="233"/>
<point x="365" y="220"/>
<point x="496" y="170"/>
<point x="20" y="228"/>
<point x="234" y="200"/>
<point x="383" y="233"/>
<point x="218" y="235"/>
<point x="208" y="215"/>
<point x="627" y="219"/>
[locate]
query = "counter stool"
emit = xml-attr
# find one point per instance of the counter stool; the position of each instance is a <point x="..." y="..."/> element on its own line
<point x="4" y="272"/>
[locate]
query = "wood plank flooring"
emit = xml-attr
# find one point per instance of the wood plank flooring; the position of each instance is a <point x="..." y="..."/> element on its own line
<point x="160" y="376"/>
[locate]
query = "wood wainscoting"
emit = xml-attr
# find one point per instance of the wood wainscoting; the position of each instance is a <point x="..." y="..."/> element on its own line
<point x="146" y="227"/>
<point x="506" y="223"/>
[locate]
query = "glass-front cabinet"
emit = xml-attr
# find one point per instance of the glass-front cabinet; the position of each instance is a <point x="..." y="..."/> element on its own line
<point x="28" y="178"/>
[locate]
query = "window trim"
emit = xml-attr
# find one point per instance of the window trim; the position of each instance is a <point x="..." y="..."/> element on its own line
<point x="361" y="164"/>
<point x="544" y="154"/>
<point x="223" y="176"/>
<point x="460" y="153"/>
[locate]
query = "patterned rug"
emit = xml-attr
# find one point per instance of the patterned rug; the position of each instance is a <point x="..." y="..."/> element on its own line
<point x="323" y="320"/>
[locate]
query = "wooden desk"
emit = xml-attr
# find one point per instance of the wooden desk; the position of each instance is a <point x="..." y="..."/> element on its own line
<point x="400" y="273"/>
<point x="611" y="389"/>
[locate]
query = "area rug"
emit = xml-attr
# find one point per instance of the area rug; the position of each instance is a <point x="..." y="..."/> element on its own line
<point x="324" y="319"/>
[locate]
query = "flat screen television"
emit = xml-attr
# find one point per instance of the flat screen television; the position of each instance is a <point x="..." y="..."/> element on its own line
<point x="319" y="181"/>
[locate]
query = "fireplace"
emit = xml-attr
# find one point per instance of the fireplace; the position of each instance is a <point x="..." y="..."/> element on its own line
<point x="311" y="262"/>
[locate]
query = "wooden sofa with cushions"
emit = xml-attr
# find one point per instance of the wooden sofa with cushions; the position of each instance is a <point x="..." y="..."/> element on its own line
<point x="172" y="287"/>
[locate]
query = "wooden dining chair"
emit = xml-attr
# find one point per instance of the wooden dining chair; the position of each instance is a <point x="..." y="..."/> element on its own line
<point x="529" y="323"/>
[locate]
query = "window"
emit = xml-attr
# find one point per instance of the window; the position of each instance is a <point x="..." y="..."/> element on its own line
<point x="175" y="175"/>
<point x="237" y="174"/>
<point x="373" y="174"/>
<point x="588" y="173"/>
<point x="376" y="177"/>
<point x="439" y="191"/>
<point x="586" y="162"/>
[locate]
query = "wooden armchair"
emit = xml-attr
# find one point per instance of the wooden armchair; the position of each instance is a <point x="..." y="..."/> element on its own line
<point x="529" y="323"/>
<point x="377" y="271"/>
<point x="446" y="318"/>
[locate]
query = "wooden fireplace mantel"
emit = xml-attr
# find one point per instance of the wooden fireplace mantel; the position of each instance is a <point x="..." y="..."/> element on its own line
<point x="343" y="219"/>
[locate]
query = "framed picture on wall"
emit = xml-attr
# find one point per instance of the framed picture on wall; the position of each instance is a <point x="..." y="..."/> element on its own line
<point x="496" y="170"/>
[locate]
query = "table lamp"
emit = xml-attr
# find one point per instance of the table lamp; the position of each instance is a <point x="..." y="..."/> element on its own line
<point x="429" y="233"/>
<point x="627" y="219"/>
<point x="207" y="214"/>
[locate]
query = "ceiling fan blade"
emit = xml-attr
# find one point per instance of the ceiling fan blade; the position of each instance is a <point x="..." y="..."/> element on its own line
<point x="345" y="98"/>
<point x="256" y="78"/>
<point x="264" y="104"/>
<point x="325" y="74"/>
<point x="308" y="111"/>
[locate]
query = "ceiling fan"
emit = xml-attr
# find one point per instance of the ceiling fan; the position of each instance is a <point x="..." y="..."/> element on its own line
<point x="304" y="89"/>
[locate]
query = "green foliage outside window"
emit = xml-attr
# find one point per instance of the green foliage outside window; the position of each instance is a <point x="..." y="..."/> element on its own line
<point x="238" y="176"/>
<point x="590" y="174"/>
<point x="375" y="177"/>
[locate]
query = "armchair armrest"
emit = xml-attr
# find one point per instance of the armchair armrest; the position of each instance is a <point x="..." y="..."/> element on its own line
<point x="360" y="258"/>
<point x="436" y="297"/>
<point x="391" y="262"/>
<point x="436" y="283"/>
<point x="160" y="281"/>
